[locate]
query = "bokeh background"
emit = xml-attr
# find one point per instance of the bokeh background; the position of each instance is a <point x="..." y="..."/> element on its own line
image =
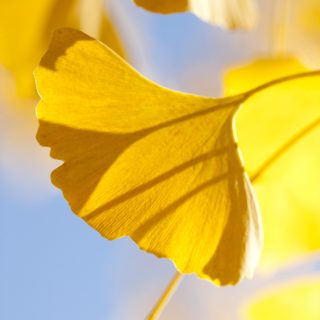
<point x="53" y="266"/>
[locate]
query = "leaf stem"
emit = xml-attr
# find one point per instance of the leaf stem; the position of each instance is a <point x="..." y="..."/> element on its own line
<point x="269" y="162"/>
<point x="271" y="83"/>
<point x="165" y="298"/>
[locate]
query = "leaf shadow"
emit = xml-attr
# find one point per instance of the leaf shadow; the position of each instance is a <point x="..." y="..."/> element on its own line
<point x="102" y="148"/>
<point x="226" y="262"/>
<point x="62" y="41"/>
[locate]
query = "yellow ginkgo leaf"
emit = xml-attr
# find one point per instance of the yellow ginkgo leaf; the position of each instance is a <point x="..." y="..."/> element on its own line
<point x="231" y="14"/>
<point x="279" y="133"/>
<point x="143" y="161"/>
<point x="140" y="160"/>
<point x="292" y="301"/>
<point x="25" y="31"/>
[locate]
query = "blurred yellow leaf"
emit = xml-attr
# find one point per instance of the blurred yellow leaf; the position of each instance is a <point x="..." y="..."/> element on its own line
<point x="25" y="32"/>
<point x="309" y="16"/>
<point x="293" y="301"/>
<point x="304" y="31"/>
<point x="231" y="14"/>
<point x="160" y="166"/>
<point x="279" y="133"/>
<point x="164" y="6"/>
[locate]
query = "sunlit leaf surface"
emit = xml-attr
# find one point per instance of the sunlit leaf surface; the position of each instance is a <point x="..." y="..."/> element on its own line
<point x="140" y="160"/>
<point x="279" y="135"/>
<point x="294" y="301"/>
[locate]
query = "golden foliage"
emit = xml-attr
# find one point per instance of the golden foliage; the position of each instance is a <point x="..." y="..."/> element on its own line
<point x="279" y="134"/>
<point x="26" y="28"/>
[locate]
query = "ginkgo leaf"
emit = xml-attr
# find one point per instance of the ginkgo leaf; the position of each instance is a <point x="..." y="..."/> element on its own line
<point x="25" y="31"/>
<point x="292" y="301"/>
<point x="279" y="133"/>
<point x="231" y="14"/>
<point x="140" y="160"/>
<point x="165" y="6"/>
<point x="143" y="161"/>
